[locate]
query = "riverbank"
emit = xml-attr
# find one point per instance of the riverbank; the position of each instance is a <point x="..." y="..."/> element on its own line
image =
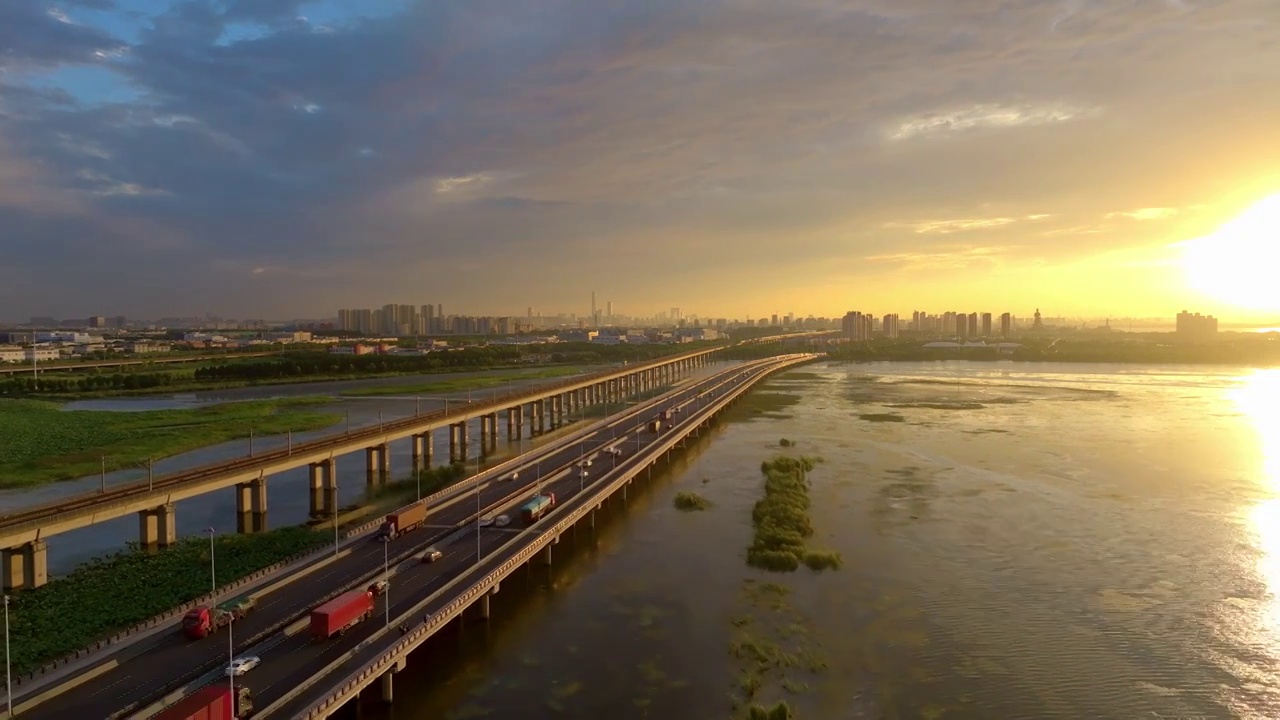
<point x="45" y="444"/>
<point x="1252" y="350"/>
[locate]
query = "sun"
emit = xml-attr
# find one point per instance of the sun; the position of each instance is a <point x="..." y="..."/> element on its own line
<point x="1237" y="264"/>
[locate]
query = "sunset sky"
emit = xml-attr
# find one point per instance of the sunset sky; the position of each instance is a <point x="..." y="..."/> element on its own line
<point x="275" y="158"/>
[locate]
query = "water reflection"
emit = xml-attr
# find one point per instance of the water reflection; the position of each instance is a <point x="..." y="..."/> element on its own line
<point x="1259" y="399"/>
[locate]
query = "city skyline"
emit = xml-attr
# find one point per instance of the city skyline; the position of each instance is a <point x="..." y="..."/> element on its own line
<point x="175" y="157"/>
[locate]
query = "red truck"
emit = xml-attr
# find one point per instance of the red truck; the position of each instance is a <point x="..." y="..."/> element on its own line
<point x="340" y="613"/>
<point x="203" y="621"/>
<point x="403" y="520"/>
<point x="212" y="702"/>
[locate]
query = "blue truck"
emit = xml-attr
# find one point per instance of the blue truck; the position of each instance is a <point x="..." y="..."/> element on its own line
<point x="540" y="505"/>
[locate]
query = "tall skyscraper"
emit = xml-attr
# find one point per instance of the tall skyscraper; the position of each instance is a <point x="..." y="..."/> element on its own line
<point x="1006" y="325"/>
<point x="986" y="325"/>
<point x="595" y="320"/>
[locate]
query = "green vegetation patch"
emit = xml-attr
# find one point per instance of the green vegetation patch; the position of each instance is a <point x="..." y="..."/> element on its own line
<point x="108" y="594"/>
<point x="44" y="443"/>
<point x="771" y="656"/>
<point x="483" y="382"/>
<point x="767" y="405"/>
<point x="781" y="519"/>
<point x="691" y="501"/>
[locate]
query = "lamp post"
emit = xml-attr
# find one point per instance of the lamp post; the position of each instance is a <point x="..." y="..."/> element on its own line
<point x="477" y="509"/>
<point x="335" y="519"/>
<point x="213" y="574"/>
<point x="231" y="674"/>
<point x="8" y="676"/>
<point x="386" y="579"/>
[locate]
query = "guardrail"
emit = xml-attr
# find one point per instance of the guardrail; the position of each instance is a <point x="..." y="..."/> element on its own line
<point x="636" y="463"/>
<point x="49" y="512"/>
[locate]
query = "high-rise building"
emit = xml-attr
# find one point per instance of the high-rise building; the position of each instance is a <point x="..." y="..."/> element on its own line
<point x="889" y="325"/>
<point x="986" y="325"/>
<point x="854" y="326"/>
<point x="973" y="325"/>
<point x="1006" y="325"/>
<point x="961" y="324"/>
<point x="1197" y="325"/>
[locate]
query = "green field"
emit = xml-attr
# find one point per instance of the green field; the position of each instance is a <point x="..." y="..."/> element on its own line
<point x="43" y="443"/>
<point x="460" y="384"/>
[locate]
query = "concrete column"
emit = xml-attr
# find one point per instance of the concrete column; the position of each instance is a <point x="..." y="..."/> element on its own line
<point x="453" y="443"/>
<point x="544" y="555"/>
<point x="387" y="683"/>
<point x="317" y="489"/>
<point x="482" y="606"/>
<point x="493" y="432"/>
<point x="156" y="527"/>
<point x="462" y="441"/>
<point x="371" y="465"/>
<point x="251" y="506"/>
<point x="330" y="487"/>
<point x="484" y="433"/>
<point x="25" y="566"/>
<point x="428" y="439"/>
<point x="511" y="423"/>
<point x="384" y="463"/>
<point x="415" y="452"/>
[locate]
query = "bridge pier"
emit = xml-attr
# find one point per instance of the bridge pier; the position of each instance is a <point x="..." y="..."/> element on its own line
<point x="25" y="566"/>
<point x="420" y="448"/>
<point x="458" y="442"/>
<point x="251" y="506"/>
<point x="157" y="527"/>
<point x="322" y="486"/>
<point x="544" y="556"/>
<point x="511" y="423"/>
<point x="387" y="683"/>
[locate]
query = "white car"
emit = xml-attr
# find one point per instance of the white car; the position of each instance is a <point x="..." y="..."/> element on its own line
<point x="486" y="522"/>
<point x="513" y="476"/>
<point x="242" y="665"/>
<point x="502" y="521"/>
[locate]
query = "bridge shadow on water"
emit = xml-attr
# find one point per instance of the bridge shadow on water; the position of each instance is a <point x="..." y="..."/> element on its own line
<point x="457" y="662"/>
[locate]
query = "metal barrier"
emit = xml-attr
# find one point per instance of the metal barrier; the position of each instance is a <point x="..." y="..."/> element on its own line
<point x="410" y="641"/>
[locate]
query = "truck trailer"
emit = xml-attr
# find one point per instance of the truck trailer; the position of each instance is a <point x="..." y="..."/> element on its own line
<point x="203" y="621"/>
<point x="340" y="613"/>
<point x="540" y="505"/>
<point x="403" y="520"/>
<point x="212" y="702"/>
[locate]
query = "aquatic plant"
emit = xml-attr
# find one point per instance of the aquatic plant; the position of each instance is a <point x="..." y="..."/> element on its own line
<point x="690" y="501"/>
<point x="781" y="519"/>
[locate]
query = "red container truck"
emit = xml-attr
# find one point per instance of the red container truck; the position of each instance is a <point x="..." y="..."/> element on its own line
<point x="212" y="702"/>
<point x="340" y="613"/>
<point x="540" y="505"/>
<point x="403" y="520"/>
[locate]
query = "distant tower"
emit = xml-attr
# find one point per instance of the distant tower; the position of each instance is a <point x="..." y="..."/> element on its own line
<point x="593" y="307"/>
<point x="1037" y="324"/>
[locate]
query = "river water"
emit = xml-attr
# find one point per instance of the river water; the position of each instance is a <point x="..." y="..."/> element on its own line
<point x="289" y="497"/>
<point x="1020" y="541"/>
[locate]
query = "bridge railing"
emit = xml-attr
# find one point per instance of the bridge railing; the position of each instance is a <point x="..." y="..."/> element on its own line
<point x="436" y="620"/>
<point x="49" y="511"/>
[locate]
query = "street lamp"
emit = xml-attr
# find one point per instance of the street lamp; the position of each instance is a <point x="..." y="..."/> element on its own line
<point x="8" y="677"/>
<point x="231" y="674"/>
<point x="213" y="574"/>
<point x="386" y="579"/>
<point x="335" y="520"/>
<point x="477" y="509"/>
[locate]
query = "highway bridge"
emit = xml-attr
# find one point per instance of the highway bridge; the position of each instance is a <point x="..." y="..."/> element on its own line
<point x="23" y="534"/>
<point x="313" y="680"/>
<point x="168" y="667"/>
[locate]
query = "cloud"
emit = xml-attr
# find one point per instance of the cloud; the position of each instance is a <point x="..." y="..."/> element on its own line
<point x="464" y="150"/>
<point x="1151" y="213"/>
<point x="933" y="124"/>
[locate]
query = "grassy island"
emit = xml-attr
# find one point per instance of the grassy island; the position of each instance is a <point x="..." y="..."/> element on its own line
<point x="781" y="519"/>
<point x="690" y="501"/>
<point x="44" y="443"/>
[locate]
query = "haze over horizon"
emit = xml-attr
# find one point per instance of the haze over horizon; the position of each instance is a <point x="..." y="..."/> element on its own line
<point x="278" y="158"/>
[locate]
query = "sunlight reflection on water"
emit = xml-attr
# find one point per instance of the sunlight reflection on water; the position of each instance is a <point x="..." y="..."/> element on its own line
<point x="1259" y="399"/>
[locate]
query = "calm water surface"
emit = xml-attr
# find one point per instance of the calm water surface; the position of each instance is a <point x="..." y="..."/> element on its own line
<point x="1020" y="541"/>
